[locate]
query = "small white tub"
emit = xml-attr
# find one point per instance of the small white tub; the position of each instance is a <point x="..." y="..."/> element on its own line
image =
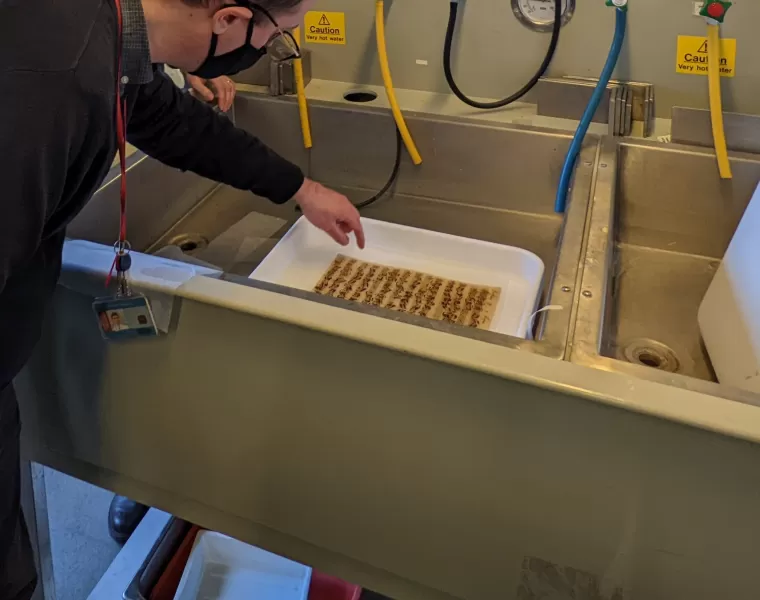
<point x="222" y="568"/>
<point x="303" y="255"/>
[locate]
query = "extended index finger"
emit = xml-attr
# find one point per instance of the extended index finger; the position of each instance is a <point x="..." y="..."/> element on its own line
<point x="358" y="229"/>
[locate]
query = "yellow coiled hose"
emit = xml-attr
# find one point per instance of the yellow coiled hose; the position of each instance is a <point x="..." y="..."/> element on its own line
<point x="385" y="69"/>
<point x="716" y="103"/>
<point x="303" y="107"/>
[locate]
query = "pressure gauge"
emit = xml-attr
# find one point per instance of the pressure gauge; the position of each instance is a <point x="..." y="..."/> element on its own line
<point x="538" y="15"/>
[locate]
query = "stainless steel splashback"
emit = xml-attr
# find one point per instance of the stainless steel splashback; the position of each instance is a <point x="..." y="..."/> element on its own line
<point x="487" y="165"/>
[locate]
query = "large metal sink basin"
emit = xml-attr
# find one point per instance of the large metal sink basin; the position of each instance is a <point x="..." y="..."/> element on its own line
<point x="661" y="221"/>
<point x="483" y="181"/>
<point x="384" y="453"/>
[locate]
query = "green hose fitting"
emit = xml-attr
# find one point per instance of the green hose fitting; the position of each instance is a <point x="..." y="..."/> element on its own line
<point x="715" y="10"/>
<point x="621" y="4"/>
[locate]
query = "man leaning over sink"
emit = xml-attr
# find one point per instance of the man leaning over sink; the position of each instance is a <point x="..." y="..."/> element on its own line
<point x="59" y="68"/>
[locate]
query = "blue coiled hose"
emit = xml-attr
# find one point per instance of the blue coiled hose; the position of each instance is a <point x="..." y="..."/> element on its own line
<point x="621" y="17"/>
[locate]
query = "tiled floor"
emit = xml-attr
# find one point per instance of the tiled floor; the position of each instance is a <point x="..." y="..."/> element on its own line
<point x="81" y="547"/>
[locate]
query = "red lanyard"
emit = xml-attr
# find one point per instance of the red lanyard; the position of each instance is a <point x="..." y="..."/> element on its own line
<point x="121" y="137"/>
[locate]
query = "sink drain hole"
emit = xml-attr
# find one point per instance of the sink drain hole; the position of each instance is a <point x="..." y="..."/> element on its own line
<point x="650" y="359"/>
<point x="652" y="354"/>
<point x="360" y="96"/>
<point x="189" y="242"/>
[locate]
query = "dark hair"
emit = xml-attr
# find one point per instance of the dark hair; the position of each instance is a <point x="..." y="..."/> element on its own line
<point x="271" y="6"/>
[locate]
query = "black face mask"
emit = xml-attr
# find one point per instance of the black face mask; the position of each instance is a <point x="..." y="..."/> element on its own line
<point x="230" y="63"/>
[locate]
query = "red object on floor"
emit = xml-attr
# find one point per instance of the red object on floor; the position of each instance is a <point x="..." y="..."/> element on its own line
<point x="167" y="584"/>
<point x="325" y="587"/>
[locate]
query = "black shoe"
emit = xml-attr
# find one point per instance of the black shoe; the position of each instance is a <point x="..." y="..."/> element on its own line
<point x="124" y="516"/>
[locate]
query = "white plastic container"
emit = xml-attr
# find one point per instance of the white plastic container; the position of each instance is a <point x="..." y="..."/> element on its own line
<point x="222" y="568"/>
<point x="303" y="255"/>
<point x="729" y="316"/>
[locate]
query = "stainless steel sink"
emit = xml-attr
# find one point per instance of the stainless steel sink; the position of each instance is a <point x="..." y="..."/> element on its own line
<point x="483" y="181"/>
<point x="523" y="465"/>
<point x="627" y="265"/>
<point x="660" y="223"/>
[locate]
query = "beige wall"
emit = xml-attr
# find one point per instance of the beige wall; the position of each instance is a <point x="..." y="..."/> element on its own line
<point x="496" y="54"/>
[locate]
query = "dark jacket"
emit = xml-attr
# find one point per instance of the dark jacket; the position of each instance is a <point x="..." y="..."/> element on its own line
<point x="58" y="61"/>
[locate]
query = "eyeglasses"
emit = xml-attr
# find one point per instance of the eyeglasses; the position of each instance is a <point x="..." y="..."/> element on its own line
<point x="282" y="45"/>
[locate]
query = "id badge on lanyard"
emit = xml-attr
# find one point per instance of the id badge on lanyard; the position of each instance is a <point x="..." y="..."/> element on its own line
<point x="126" y="314"/>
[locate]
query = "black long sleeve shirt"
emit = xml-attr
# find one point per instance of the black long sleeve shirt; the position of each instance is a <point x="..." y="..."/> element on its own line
<point x="58" y="71"/>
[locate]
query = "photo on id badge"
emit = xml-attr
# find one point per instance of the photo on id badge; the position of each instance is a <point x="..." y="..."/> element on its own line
<point x="125" y="318"/>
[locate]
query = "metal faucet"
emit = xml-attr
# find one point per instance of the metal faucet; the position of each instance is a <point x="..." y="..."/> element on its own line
<point x="277" y="76"/>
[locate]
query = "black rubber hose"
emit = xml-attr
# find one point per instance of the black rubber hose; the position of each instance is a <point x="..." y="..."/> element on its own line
<point x="391" y="179"/>
<point x="388" y="184"/>
<point x="453" y="10"/>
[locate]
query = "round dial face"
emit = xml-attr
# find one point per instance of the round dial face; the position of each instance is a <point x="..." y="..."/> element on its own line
<point x="539" y="14"/>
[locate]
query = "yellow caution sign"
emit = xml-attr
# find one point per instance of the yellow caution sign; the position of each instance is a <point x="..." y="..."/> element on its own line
<point x="325" y="27"/>
<point x="691" y="57"/>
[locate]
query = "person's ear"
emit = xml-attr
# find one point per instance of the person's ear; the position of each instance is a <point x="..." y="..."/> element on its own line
<point x="228" y="16"/>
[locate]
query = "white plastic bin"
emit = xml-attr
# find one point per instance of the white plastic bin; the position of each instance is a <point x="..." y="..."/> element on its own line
<point x="303" y="255"/>
<point x="729" y="316"/>
<point x="222" y="568"/>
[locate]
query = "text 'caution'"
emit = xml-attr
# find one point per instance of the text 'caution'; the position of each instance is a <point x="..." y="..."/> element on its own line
<point x="691" y="57"/>
<point x="325" y="27"/>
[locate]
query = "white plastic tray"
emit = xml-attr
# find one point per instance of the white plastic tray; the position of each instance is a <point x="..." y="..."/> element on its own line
<point x="303" y="255"/>
<point x="222" y="568"/>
